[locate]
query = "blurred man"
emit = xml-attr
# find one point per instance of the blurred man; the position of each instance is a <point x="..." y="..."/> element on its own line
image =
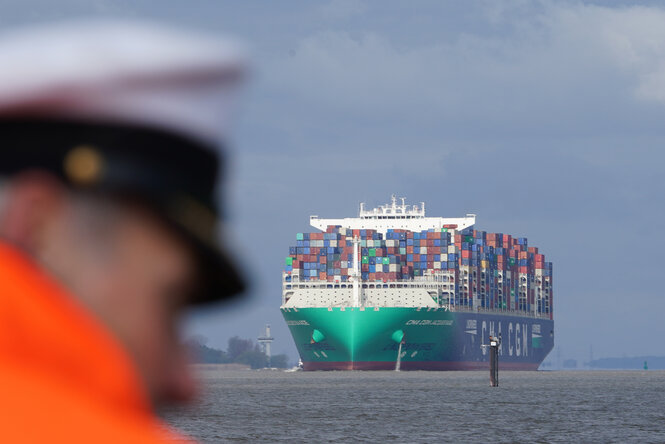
<point x="108" y="224"/>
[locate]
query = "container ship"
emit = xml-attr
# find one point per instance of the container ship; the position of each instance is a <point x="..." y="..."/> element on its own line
<point x="395" y="289"/>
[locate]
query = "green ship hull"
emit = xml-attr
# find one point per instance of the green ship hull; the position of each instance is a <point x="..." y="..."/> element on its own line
<point x="357" y="338"/>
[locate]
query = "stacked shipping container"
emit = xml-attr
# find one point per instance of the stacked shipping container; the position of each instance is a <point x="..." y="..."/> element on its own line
<point x="483" y="270"/>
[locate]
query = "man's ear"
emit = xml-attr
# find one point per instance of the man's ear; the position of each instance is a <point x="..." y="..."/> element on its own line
<point x="32" y="200"/>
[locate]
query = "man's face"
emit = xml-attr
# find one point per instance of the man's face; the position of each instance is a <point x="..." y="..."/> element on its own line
<point x="117" y="259"/>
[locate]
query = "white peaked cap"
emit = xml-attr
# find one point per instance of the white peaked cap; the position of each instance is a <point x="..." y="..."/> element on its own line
<point x="124" y="72"/>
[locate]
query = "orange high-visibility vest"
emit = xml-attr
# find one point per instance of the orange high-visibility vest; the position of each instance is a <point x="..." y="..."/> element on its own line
<point x="63" y="377"/>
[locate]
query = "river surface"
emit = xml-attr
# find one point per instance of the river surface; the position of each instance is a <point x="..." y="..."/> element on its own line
<point x="426" y="407"/>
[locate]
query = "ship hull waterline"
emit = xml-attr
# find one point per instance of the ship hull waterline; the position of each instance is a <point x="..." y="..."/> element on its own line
<point x="367" y="338"/>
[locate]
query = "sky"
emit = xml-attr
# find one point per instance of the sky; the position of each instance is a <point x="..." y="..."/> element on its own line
<point x="546" y="119"/>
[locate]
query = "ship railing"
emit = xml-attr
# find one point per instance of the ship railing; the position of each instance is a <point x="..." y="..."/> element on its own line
<point x="295" y="282"/>
<point x="508" y="312"/>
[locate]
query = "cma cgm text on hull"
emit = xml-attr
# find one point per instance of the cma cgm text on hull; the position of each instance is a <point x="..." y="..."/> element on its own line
<point x="393" y="284"/>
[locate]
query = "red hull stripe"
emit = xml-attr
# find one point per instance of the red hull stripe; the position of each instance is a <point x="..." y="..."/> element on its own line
<point x="421" y="365"/>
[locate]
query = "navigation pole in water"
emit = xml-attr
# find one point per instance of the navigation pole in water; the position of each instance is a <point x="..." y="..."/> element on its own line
<point x="495" y="342"/>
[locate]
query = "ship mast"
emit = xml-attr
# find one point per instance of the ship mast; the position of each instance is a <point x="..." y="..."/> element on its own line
<point x="356" y="272"/>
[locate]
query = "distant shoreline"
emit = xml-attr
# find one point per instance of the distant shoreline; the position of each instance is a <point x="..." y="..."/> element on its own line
<point x="222" y="367"/>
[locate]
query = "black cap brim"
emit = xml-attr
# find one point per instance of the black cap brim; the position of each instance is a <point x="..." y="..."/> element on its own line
<point x="218" y="276"/>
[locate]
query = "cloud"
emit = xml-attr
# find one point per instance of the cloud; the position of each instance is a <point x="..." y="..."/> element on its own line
<point x="563" y="67"/>
<point x="342" y="9"/>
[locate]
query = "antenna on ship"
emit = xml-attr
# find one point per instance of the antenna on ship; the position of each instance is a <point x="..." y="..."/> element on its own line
<point x="356" y="275"/>
<point x="265" y="340"/>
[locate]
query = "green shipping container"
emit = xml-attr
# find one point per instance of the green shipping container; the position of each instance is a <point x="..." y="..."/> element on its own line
<point x="300" y="236"/>
<point x="402" y="250"/>
<point x="365" y="260"/>
<point x="289" y="261"/>
<point x="386" y="261"/>
<point x="372" y="252"/>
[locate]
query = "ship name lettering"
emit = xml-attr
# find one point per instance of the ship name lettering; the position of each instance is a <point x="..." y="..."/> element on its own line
<point x="429" y="322"/>
<point x="300" y="322"/>
<point x="518" y="342"/>
<point x="525" y="337"/>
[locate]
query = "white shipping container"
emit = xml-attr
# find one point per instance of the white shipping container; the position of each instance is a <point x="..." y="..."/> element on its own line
<point x="423" y="250"/>
<point x="333" y="243"/>
<point x="451" y="249"/>
<point x="437" y="265"/>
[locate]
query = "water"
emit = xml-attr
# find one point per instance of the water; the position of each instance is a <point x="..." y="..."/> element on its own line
<point x="547" y="407"/>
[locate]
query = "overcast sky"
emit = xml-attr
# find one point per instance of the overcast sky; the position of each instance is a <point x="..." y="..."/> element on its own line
<point x="546" y="119"/>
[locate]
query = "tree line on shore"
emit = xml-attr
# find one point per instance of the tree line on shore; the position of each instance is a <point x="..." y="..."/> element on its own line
<point x="239" y="351"/>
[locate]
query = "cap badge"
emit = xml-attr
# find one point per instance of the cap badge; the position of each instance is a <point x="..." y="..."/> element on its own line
<point x="83" y="165"/>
